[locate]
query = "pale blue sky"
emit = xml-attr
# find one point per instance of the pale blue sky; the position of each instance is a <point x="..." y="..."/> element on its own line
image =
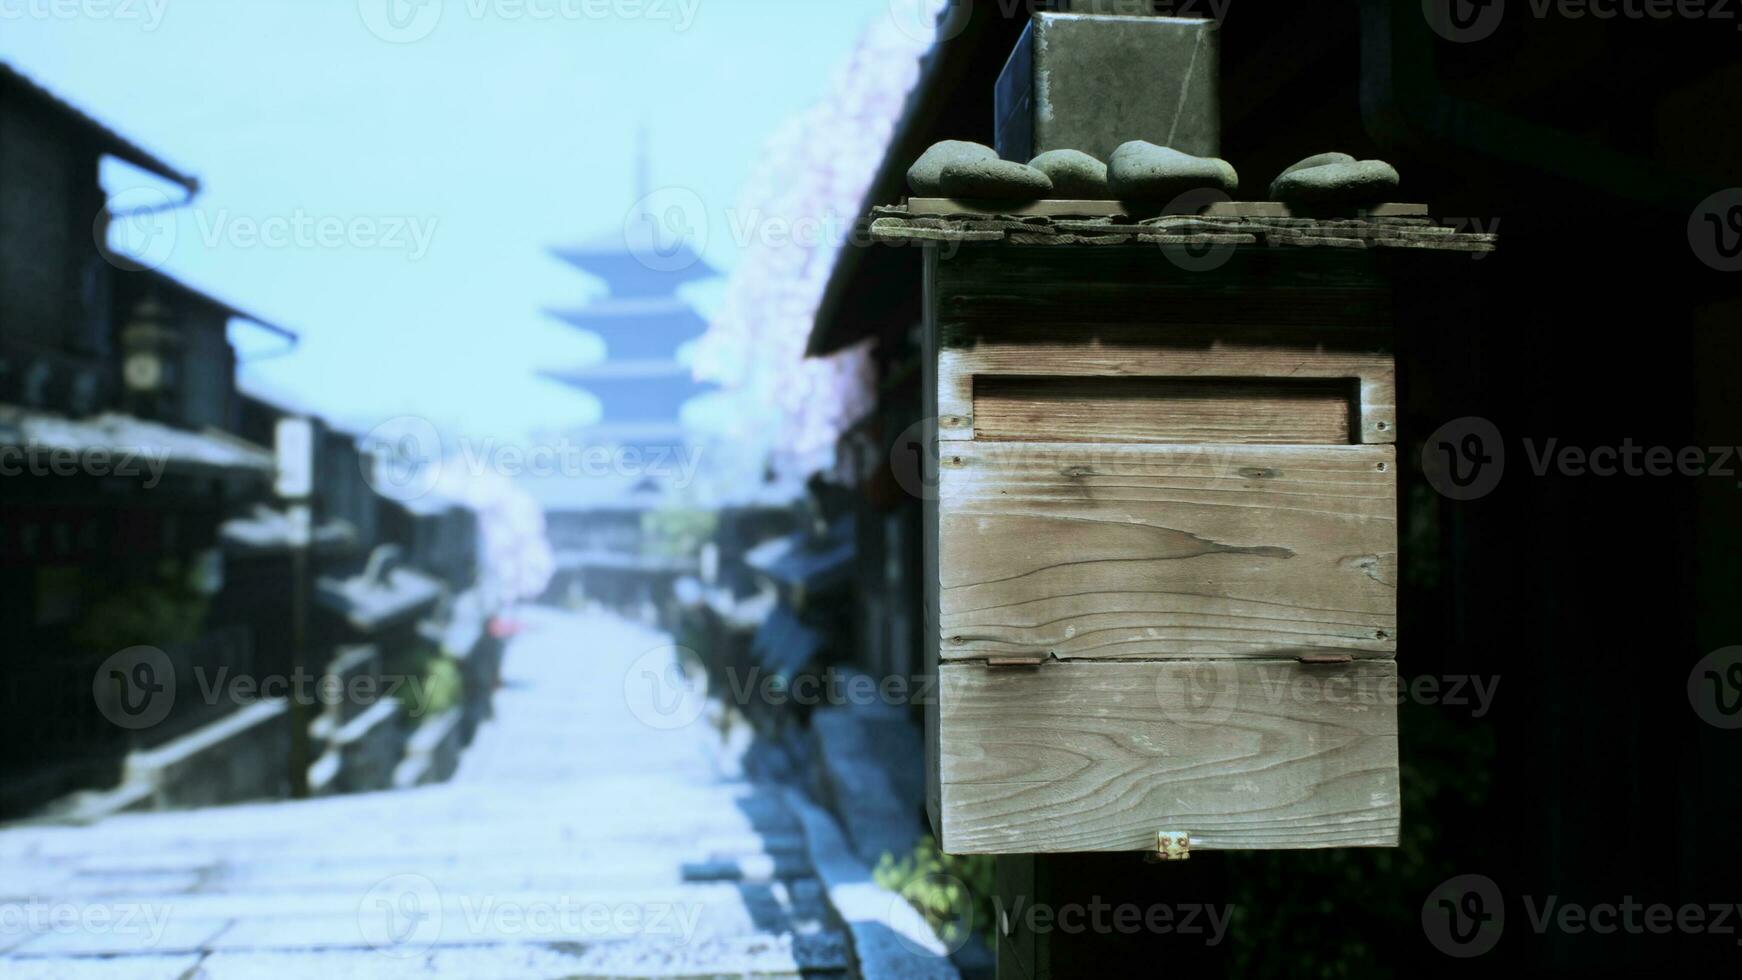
<point x="507" y="129"/>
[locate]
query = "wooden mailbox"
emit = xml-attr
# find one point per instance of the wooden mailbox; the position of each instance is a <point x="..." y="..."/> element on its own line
<point x="1163" y="544"/>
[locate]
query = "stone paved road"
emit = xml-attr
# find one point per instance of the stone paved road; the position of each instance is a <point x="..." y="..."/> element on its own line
<point x="576" y="840"/>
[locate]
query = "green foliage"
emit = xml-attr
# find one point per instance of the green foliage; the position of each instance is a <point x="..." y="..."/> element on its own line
<point x="159" y="612"/>
<point x="678" y="532"/>
<point x="433" y="681"/>
<point x="953" y="892"/>
<point x="1335" y="913"/>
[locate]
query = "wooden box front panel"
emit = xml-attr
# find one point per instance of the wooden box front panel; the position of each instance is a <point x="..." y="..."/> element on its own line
<point x="1101" y="756"/>
<point x="1097" y="551"/>
<point x="1155" y="486"/>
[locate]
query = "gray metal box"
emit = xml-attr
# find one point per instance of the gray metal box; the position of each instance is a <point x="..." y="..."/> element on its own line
<point x="1091" y="82"/>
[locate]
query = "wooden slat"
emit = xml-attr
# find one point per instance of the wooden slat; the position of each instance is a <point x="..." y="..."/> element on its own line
<point x="952" y="207"/>
<point x="1164" y="410"/>
<point x="1335" y="298"/>
<point x="1141" y="551"/>
<point x="1176" y="354"/>
<point x="1098" y="757"/>
<point x="928" y="388"/>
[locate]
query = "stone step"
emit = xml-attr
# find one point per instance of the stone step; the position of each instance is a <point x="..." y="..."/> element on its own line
<point x="818" y="956"/>
<point x="609" y="808"/>
<point x="411" y="847"/>
<point x="405" y="914"/>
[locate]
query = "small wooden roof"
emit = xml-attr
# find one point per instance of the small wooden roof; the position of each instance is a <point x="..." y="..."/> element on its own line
<point x="1236" y="224"/>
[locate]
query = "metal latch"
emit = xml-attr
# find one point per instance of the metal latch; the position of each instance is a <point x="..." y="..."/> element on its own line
<point x="1171" y="845"/>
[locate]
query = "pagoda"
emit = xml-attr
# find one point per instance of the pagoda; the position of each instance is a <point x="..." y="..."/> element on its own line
<point x="640" y="385"/>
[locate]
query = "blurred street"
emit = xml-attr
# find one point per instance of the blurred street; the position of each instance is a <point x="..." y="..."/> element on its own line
<point x="578" y="839"/>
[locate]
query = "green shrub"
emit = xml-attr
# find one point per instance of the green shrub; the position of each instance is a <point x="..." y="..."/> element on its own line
<point x="953" y="892"/>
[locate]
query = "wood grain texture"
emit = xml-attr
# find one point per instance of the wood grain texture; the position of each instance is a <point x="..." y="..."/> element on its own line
<point x="1060" y="206"/>
<point x="1164" y="410"/>
<point x="1324" y="297"/>
<point x="1177" y="355"/>
<point x="1098" y="757"/>
<point x="1133" y="551"/>
<point x="928" y="393"/>
<point x="969" y="375"/>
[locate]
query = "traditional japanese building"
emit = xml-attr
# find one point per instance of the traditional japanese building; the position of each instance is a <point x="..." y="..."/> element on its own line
<point x="641" y="384"/>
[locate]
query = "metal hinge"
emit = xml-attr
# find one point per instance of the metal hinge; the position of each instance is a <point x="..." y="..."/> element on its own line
<point x="1017" y="661"/>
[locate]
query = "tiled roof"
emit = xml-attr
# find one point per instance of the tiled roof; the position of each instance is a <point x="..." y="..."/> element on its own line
<point x="15" y="84"/>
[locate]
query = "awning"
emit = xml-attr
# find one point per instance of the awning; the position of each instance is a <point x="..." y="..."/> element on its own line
<point x="813" y="565"/>
<point x="385" y="594"/>
<point x="123" y="436"/>
<point x="785" y="646"/>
